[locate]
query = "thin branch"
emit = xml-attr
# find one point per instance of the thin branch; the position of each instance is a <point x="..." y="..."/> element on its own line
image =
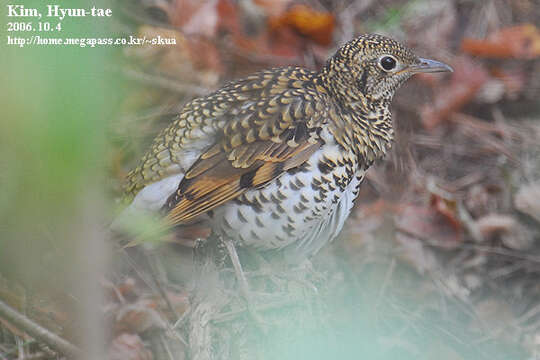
<point x="38" y="332"/>
<point x="165" y="83"/>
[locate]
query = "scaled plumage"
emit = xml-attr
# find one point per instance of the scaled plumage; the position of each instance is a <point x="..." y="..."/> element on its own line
<point x="275" y="160"/>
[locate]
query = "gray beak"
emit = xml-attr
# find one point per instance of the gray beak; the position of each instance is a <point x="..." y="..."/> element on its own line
<point x="429" y="66"/>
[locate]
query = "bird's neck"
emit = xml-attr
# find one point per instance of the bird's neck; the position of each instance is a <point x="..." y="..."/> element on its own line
<point x="358" y="122"/>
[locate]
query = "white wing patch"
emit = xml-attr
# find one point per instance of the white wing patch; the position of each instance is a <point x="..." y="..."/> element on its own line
<point x="148" y="201"/>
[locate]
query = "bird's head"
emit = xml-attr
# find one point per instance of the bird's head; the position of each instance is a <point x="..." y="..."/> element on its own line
<point x="375" y="66"/>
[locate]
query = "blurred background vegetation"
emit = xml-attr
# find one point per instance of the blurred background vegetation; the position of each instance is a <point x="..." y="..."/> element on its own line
<point x="441" y="256"/>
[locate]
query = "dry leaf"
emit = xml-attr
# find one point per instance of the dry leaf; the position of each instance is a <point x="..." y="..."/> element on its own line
<point x="138" y="317"/>
<point x="128" y="347"/>
<point x="520" y="41"/>
<point x="430" y="224"/>
<point x="179" y="302"/>
<point x="229" y="19"/>
<point x="284" y="37"/>
<point x="284" y="42"/>
<point x="122" y="292"/>
<point x="127" y="288"/>
<point x="316" y="25"/>
<point x="272" y="7"/>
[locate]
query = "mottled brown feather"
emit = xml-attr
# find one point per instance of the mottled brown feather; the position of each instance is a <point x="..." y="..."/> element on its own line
<point x="258" y="108"/>
<point x="215" y="180"/>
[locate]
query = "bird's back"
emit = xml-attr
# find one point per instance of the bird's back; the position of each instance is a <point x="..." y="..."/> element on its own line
<point x="254" y="115"/>
<point x="201" y="122"/>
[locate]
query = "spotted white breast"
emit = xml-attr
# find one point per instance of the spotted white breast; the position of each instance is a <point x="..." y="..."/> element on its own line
<point x="302" y="210"/>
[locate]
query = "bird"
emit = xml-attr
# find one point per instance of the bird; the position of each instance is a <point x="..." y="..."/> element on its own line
<point x="274" y="161"/>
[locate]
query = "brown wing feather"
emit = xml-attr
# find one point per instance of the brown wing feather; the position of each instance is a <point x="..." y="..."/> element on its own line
<point x="273" y="126"/>
<point x="214" y="180"/>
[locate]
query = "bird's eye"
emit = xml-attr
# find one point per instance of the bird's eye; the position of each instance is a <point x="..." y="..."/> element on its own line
<point x="388" y="63"/>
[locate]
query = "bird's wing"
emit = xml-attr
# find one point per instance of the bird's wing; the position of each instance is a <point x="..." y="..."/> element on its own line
<point x="264" y="140"/>
<point x="202" y="121"/>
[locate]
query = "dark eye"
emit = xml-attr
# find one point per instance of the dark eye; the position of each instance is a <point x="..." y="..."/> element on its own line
<point x="388" y="63"/>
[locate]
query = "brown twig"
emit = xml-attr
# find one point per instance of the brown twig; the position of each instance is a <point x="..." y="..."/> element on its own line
<point x="165" y="83"/>
<point x="38" y="332"/>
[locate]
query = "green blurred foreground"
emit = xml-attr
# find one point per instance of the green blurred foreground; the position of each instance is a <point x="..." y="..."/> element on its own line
<point x="56" y="103"/>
